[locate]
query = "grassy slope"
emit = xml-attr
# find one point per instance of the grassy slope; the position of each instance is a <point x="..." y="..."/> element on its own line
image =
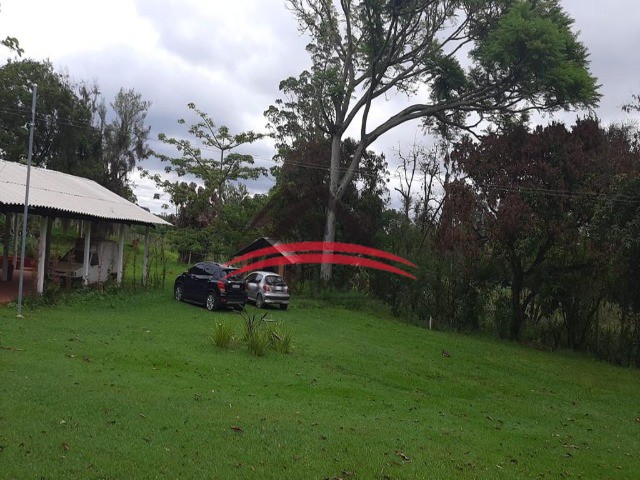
<point x="132" y="386"/>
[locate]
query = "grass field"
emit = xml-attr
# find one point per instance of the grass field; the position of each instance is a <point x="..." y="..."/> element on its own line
<point x="131" y="386"/>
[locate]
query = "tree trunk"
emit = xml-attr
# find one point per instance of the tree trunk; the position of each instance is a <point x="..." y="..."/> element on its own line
<point x="517" y="285"/>
<point x="326" y="269"/>
<point x="516" y="311"/>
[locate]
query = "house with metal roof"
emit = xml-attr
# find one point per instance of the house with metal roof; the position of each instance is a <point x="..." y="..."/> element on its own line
<point x="53" y="195"/>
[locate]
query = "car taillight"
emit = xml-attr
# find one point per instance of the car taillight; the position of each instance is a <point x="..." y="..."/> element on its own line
<point x="266" y="288"/>
<point x="221" y="285"/>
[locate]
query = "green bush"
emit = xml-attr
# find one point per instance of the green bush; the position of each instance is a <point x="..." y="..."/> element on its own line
<point x="252" y="324"/>
<point x="222" y="335"/>
<point x="260" y="334"/>
<point x="258" y="342"/>
<point x="280" y="339"/>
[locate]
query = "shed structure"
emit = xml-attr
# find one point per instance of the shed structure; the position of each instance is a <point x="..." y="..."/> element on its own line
<point x="53" y="195"/>
<point x="266" y="242"/>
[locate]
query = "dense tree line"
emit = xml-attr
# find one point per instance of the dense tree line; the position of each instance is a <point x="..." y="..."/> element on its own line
<point x="537" y="241"/>
<point x="529" y="234"/>
<point x="534" y="236"/>
<point x="76" y="131"/>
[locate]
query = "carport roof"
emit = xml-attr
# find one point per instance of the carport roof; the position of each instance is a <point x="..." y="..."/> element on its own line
<point x="63" y="195"/>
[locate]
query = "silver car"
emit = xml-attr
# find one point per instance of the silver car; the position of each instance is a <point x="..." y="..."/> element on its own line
<point x="267" y="288"/>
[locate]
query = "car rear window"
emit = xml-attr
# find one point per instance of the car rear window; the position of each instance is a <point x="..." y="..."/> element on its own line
<point x="275" y="280"/>
<point x="229" y="275"/>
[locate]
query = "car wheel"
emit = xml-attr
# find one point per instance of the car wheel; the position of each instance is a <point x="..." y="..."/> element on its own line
<point x="213" y="302"/>
<point x="260" y="301"/>
<point x="178" y="293"/>
<point x="283" y="306"/>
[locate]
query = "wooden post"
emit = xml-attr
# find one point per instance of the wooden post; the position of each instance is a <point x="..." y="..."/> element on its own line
<point x="42" y="248"/>
<point x="5" y="247"/>
<point x="87" y="253"/>
<point x="145" y="259"/>
<point x="47" y="249"/>
<point x="120" y="254"/>
<point x="15" y="241"/>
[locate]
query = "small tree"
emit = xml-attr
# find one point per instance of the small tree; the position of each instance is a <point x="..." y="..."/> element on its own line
<point x="218" y="175"/>
<point x="124" y="140"/>
<point x="200" y="206"/>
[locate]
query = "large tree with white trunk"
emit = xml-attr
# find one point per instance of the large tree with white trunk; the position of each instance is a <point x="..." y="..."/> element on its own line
<point x="461" y="63"/>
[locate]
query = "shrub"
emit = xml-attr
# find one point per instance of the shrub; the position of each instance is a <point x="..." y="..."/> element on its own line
<point x="260" y="334"/>
<point x="254" y="336"/>
<point x="258" y="342"/>
<point x="280" y="339"/>
<point x="222" y="335"/>
<point x="252" y="324"/>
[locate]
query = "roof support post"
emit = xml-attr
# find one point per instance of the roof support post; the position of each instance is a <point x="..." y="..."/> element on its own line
<point x="42" y="250"/>
<point x="145" y="259"/>
<point x="5" y="244"/>
<point x="87" y="253"/>
<point x="15" y="241"/>
<point x="120" y="254"/>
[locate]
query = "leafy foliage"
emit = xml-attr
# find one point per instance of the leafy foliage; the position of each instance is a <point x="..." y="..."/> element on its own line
<point x="124" y="140"/>
<point x="217" y="175"/>
<point x="258" y="334"/>
<point x="536" y="202"/>
<point x="297" y="205"/>
<point x="211" y="214"/>
<point x="63" y="122"/>
<point x="523" y="56"/>
<point x="74" y="135"/>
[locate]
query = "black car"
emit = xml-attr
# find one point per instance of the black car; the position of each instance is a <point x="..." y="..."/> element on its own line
<point x="212" y="285"/>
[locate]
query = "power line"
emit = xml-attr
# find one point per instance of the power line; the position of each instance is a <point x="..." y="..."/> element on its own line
<point x="72" y="123"/>
<point x="505" y="188"/>
<point x="43" y="117"/>
<point x="565" y="193"/>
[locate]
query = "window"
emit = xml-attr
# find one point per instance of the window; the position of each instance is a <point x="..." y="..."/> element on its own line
<point x="275" y="280"/>
<point x="229" y="272"/>
<point x="196" y="270"/>
<point x="209" y="269"/>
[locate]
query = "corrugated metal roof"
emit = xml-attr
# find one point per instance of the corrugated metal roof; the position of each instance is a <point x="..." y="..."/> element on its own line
<point x="68" y="193"/>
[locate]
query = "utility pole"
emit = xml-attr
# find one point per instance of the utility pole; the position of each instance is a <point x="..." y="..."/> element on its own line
<point x="26" y="199"/>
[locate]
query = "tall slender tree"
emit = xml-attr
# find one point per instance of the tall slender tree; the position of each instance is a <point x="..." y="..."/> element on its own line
<point x="124" y="139"/>
<point x="215" y="203"/>
<point x="218" y="174"/>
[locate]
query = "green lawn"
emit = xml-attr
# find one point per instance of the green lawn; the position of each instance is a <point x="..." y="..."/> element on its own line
<point x="131" y="386"/>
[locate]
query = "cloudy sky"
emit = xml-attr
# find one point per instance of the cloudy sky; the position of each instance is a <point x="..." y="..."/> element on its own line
<point x="229" y="57"/>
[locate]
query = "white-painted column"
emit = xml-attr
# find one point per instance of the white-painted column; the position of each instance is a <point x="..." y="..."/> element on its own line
<point x="5" y="247"/>
<point x="87" y="252"/>
<point x="145" y="258"/>
<point x="120" y="254"/>
<point x="42" y="250"/>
